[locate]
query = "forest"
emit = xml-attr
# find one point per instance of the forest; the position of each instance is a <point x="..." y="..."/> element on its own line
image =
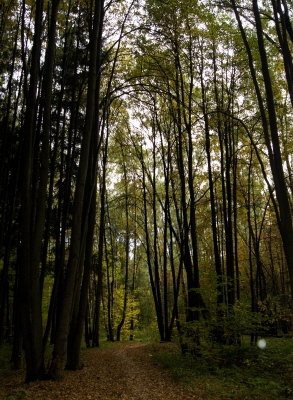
<point x="146" y="182"/>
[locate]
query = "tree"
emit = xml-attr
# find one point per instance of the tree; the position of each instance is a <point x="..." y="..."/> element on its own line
<point x="75" y="261"/>
<point x="270" y="127"/>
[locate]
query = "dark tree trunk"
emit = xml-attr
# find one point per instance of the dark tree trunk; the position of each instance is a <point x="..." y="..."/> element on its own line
<point x="276" y="162"/>
<point x="99" y="288"/>
<point x="218" y="332"/>
<point x="183" y="121"/>
<point x="127" y="249"/>
<point x="75" y="261"/>
<point x="29" y="270"/>
<point x="151" y="263"/>
<point x="270" y="129"/>
<point x="74" y="341"/>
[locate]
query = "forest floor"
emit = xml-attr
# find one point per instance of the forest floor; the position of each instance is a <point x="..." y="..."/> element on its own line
<point x="127" y="371"/>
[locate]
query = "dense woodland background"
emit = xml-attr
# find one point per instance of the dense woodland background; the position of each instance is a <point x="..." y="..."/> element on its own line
<point x="146" y="174"/>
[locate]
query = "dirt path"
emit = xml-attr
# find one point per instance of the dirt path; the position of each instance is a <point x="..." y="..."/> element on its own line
<point x="124" y="372"/>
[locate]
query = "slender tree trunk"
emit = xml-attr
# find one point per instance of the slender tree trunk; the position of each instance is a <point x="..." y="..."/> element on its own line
<point x="150" y="261"/>
<point x="29" y="271"/>
<point x="110" y="281"/>
<point x="269" y="123"/>
<point x="218" y="333"/>
<point x="97" y="314"/>
<point x="286" y="228"/>
<point x="127" y="249"/>
<point x="17" y="344"/>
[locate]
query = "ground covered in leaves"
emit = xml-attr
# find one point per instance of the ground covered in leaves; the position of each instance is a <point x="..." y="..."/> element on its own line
<point x="127" y="371"/>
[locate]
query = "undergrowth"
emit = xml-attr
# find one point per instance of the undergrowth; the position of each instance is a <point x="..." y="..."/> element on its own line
<point x="236" y="372"/>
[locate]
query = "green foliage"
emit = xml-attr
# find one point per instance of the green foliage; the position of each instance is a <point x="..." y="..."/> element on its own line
<point x="148" y="333"/>
<point x="227" y="325"/>
<point x="222" y="325"/>
<point x="236" y="372"/>
<point x="47" y="291"/>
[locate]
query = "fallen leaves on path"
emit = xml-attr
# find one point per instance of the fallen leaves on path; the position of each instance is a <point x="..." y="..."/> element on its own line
<point x="122" y="372"/>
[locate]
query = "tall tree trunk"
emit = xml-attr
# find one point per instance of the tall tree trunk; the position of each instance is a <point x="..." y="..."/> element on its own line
<point x="150" y="262"/>
<point x="218" y="333"/>
<point x="127" y="249"/>
<point x="29" y="270"/>
<point x="270" y="129"/>
<point x="100" y="274"/>
<point x="286" y="228"/>
<point x="74" y="341"/>
<point x="185" y="142"/>
<point x="17" y="344"/>
<point x="75" y="253"/>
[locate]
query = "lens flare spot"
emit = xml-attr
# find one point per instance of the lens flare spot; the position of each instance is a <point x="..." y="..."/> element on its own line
<point x="261" y="343"/>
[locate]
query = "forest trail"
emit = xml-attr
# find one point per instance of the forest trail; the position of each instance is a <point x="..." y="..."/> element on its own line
<point x="127" y="372"/>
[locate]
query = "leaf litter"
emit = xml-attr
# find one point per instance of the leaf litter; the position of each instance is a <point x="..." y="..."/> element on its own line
<point x="127" y="371"/>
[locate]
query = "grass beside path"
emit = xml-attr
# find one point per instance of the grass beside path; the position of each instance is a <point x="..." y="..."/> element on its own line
<point x="233" y="372"/>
